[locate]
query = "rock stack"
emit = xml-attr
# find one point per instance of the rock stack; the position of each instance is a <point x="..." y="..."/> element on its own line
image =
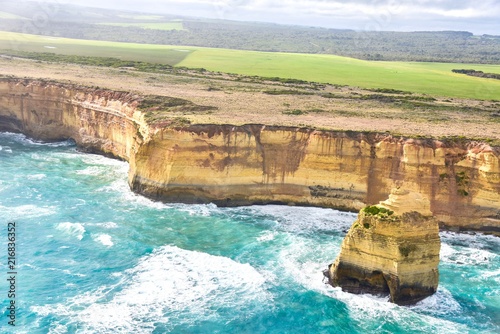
<point x="389" y="253"/>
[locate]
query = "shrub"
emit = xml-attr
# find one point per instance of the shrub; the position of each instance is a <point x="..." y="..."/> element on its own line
<point x="286" y="92"/>
<point x="374" y="210"/>
<point x="294" y="112"/>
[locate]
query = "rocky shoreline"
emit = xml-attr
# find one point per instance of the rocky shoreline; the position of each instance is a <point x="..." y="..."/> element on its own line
<point x="455" y="182"/>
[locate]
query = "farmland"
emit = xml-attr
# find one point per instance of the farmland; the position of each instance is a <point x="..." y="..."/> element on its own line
<point x="126" y="51"/>
<point x="425" y="78"/>
<point x="430" y="78"/>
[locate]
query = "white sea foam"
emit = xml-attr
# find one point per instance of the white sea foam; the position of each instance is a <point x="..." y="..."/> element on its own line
<point x="465" y="255"/>
<point x="117" y="186"/>
<point x="441" y="303"/>
<point x="495" y="274"/>
<point x="80" y="202"/>
<point x="445" y="251"/>
<point x="58" y="329"/>
<point x="36" y="176"/>
<point x="126" y="195"/>
<point x="72" y="229"/>
<point x="3" y="186"/>
<point x="13" y="136"/>
<point x="186" y="285"/>
<point x="104" y="239"/>
<point x="107" y="225"/>
<point x="477" y="240"/>
<point x="266" y="236"/>
<point x="28" y="265"/>
<point x="304" y="263"/>
<point x="205" y="210"/>
<point x="65" y="143"/>
<point x="44" y="157"/>
<point x="372" y="313"/>
<point x="22" y="139"/>
<point x="95" y="159"/>
<point x="368" y="311"/>
<point x="65" y="271"/>
<point x="91" y="170"/>
<point x="306" y="220"/>
<point x="6" y="149"/>
<point x="119" y="170"/>
<point x="26" y="211"/>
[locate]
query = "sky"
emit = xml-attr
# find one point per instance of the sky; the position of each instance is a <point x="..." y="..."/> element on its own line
<point x="478" y="17"/>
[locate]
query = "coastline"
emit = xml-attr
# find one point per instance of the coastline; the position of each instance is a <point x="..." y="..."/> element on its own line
<point x="259" y="164"/>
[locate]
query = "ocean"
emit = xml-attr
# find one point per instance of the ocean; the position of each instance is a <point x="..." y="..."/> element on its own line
<point x="93" y="257"/>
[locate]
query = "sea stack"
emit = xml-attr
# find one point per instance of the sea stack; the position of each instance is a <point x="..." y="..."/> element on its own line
<point x="389" y="252"/>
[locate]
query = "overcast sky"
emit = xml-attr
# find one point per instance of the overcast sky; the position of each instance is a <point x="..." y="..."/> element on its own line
<point x="477" y="16"/>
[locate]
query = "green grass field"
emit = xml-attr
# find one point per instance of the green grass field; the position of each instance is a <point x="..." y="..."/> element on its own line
<point x="177" y="25"/>
<point x="161" y="54"/>
<point x="427" y="78"/>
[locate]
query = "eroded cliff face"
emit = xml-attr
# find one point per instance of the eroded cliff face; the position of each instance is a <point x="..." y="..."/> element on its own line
<point x="239" y="165"/>
<point x="99" y="120"/>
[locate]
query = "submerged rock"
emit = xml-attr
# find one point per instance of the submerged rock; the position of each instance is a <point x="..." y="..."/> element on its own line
<point x="389" y="254"/>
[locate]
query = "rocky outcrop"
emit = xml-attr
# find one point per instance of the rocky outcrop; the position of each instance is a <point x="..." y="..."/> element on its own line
<point x="387" y="253"/>
<point x="249" y="164"/>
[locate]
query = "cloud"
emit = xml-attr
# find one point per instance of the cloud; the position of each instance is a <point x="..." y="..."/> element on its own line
<point x="445" y="8"/>
<point x="477" y="16"/>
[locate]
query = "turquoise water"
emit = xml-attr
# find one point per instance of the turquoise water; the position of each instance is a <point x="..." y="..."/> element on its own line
<point x="95" y="258"/>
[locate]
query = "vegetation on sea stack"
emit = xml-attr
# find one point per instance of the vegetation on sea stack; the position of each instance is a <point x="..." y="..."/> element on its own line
<point x="374" y="210"/>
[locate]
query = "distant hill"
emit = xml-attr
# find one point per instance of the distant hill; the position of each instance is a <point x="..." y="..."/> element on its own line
<point x="71" y="21"/>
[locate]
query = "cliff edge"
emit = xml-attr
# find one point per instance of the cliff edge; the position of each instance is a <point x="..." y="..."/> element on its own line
<point x="171" y="160"/>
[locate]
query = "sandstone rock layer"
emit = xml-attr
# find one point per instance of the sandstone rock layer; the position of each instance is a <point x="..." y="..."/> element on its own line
<point x="252" y="164"/>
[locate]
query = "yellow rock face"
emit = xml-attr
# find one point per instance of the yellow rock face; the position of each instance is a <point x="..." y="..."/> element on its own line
<point x="98" y="120"/>
<point x="239" y="165"/>
<point x="242" y="165"/>
<point x="396" y="255"/>
<point x="401" y="201"/>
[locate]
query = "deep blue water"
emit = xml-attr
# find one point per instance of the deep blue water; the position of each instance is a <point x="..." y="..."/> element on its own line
<point x="92" y="257"/>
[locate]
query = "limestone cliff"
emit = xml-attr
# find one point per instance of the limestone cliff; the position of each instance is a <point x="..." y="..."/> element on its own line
<point x="98" y="120"/>
<point x="239" y="165"/>
<point x="388" y="254"/>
